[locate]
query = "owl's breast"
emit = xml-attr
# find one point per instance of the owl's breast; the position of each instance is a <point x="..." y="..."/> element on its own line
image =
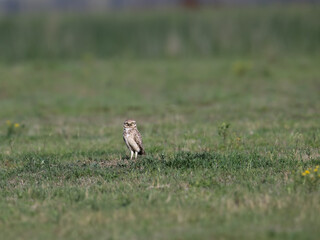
<point x="126" y="133"/>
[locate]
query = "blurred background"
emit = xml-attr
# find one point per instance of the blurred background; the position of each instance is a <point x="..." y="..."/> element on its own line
<point x="223" y="60"/>
<point x="56" y="29"/>
<point x="87" y="5"/>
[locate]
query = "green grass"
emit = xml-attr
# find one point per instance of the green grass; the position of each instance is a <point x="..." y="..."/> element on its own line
<point x="65" y="171"/>
<point x="269" y="31"/>
<point x="228" y="134"/>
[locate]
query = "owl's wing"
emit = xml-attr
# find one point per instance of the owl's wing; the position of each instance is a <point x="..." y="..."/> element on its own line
<point x="138" y="140"/>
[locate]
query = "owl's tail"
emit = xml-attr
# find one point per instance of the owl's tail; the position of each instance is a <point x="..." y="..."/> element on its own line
<point x="142" y="152"/>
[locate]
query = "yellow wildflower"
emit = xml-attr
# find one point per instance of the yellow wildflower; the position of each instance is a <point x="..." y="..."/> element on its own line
<point x="315" y="170"/>
<point x="303" y="174"/>
<point x="8" y="122"/>
<point x="307" y="172"/>
<point x="16" y="125"/>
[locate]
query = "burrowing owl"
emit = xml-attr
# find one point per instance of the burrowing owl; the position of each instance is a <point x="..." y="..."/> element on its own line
<point x="132" y="138"/>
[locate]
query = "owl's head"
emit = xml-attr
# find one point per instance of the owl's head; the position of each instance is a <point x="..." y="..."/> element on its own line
<point x="130" y="124"/>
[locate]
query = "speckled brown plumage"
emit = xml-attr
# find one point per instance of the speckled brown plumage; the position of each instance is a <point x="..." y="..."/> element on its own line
<point x="132" y="138"/>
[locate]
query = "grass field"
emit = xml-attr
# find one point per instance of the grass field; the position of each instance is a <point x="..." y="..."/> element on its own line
<point x="228" y="140"/>
<point x="252" y="31"/>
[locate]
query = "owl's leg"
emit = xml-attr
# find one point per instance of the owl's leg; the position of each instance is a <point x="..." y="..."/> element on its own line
<point x="131" y="155"/>
<point x="135" y="155"/>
